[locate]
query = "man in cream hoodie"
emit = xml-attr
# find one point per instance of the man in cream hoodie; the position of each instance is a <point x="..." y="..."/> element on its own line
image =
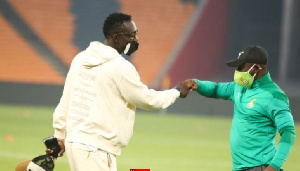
<point x="96" y="112"/>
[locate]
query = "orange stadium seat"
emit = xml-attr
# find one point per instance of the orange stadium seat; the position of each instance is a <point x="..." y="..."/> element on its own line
<point x="19" y="62"/>
<point x="53" y="23"/>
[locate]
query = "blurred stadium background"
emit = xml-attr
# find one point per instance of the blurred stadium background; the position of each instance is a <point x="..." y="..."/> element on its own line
<point x="179" y="39"/>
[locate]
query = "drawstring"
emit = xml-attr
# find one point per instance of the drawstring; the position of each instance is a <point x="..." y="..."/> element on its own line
<point x="108" y="159"/>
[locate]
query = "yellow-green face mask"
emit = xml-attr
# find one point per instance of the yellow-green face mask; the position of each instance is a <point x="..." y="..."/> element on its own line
<point x="244" y="79"/>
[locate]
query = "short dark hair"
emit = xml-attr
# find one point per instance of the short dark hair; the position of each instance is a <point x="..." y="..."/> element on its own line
<point x="114" y="22"/>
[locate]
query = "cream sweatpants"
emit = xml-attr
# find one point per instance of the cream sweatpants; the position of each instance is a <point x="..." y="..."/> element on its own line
<point x="82" y="158"/>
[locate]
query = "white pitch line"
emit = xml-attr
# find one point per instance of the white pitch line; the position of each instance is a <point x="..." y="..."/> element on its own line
<point x="26" y="156"/>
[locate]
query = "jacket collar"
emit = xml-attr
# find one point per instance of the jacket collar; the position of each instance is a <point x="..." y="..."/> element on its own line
<point x="263" y="80"/>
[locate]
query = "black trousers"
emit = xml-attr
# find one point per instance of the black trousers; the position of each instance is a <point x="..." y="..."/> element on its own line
<point x="257" y="168"/>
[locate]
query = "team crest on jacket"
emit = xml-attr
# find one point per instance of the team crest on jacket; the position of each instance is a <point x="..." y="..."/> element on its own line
<point x="251" y="103"/>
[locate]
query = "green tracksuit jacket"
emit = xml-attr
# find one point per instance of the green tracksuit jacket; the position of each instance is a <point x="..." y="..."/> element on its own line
<point x="259" y="112"/>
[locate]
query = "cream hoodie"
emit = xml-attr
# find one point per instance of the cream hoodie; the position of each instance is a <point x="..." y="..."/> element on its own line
<point x="101" y="93"/>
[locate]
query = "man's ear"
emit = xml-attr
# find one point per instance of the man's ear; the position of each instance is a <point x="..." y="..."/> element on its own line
<point x="259" y="66"/>
<point x="115" y="38"/>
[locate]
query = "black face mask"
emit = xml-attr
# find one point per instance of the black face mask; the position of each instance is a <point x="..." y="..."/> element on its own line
<point x="133" y="46"/>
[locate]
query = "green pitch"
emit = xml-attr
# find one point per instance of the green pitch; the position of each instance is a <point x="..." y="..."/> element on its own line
<point x="161" y="142"/>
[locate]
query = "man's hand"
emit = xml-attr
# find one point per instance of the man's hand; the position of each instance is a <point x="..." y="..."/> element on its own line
<point x="186" y="86"/>
<point x="183" y="89"/>
<point x="62" y="147"/>
<point x="192" y="84"/>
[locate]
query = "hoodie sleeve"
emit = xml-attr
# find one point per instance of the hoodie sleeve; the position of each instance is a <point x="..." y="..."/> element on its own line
<point x="61" y="111"/>
<point x="138" y="94"/>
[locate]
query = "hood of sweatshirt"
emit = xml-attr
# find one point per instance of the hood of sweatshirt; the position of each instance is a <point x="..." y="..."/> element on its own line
<point x="99" y="53"/>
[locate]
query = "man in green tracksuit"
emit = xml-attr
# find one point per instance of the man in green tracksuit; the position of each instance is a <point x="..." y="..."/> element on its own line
<point x="260" y="109"/>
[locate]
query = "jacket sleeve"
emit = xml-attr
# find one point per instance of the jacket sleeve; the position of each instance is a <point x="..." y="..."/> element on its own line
<point x="279" y="112"/>
<point x="215" y="90"/>
<point x="284" y="147"/>
<point x="139" y="95"/>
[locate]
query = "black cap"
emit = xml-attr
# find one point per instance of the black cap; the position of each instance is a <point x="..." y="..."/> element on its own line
<point x="250" y="54"/>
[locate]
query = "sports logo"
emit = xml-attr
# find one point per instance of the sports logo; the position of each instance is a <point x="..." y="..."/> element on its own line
<point x="240" y="54"/>
<point x="251" y="104"/>
<point x="244" y="80"/>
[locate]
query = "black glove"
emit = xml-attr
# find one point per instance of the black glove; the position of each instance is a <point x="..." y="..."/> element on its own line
<point x="52" y="144"/>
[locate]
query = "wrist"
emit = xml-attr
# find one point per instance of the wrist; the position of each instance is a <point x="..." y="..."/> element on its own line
<point x="178" y="89"/>
<point x="198" y="82"/>
<point x="59" y="139"/>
